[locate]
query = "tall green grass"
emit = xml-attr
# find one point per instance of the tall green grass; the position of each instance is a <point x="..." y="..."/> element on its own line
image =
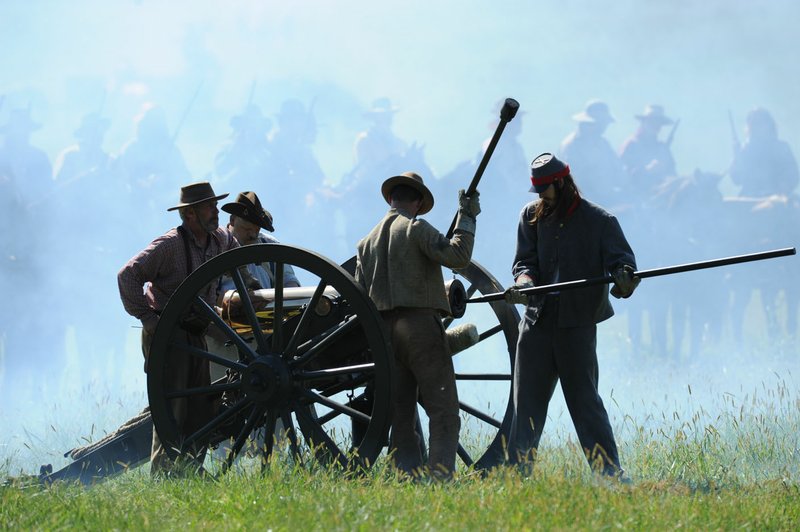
<point x="736" y="467"/>
<point x="286" y="497"/>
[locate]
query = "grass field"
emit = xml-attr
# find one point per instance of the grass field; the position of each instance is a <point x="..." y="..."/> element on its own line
<point x="693" y="496"/>
<point x="736" y="469"/>
<point x="711" y="442"/>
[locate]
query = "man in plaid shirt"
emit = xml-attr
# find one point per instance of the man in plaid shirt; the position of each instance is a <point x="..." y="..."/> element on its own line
<point x="148" y="280"/>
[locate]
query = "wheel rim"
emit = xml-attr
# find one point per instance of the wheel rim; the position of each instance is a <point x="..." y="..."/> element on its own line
<point x="305" y="373"/>
<point x="489" y="364"/>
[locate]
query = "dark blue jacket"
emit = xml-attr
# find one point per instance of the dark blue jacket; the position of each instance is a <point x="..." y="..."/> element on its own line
<point x="587" y="243"/>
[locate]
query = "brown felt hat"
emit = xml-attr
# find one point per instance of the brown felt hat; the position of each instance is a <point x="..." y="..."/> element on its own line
<point x="413" y="180"/>
<point x="196" y="193"/>
<point x="248" y="207"/>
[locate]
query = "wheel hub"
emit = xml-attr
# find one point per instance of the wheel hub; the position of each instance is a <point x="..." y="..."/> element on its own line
<point x="267" y="380"/>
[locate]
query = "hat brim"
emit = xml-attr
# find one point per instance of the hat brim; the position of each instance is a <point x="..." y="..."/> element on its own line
<point x="427" y="197"/>
<point x="584" y="117"/>
<point x="182" y="205"/>
<point x="243" y="212"/>
<point x="538" y="189"/>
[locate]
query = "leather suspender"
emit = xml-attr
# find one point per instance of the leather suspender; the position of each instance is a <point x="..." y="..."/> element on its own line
<point x="185" y="238"/>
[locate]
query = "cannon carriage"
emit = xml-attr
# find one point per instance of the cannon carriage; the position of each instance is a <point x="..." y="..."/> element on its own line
<point x="318" y="366"/>
<point x="310" y="368"/>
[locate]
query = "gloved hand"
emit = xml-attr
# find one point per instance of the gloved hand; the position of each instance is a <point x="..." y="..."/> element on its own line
<point x="624" y="282"/>
<point x="469" y="205"/>
<point x="512" y="294"/>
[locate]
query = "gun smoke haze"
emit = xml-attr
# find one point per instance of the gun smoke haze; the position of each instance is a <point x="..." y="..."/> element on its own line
<point x="444" y="66"/>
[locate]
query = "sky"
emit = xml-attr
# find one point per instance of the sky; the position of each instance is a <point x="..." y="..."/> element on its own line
<point x="444" y="65"/>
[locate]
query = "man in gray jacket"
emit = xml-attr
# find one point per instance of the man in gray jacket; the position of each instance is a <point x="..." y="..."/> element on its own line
<point x="400" y="264"/>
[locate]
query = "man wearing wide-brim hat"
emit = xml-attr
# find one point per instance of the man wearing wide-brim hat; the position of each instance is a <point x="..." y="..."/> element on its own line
<point x="654" y="113"/>
<point x="29" y="164"/>
<point x="247" y="219"/>
<point x="591" y="155"/>
<point x="159" y="269"/>
<point x="648" y="160"/>
<point x="85" y="159"/>
<point x="400" y="264"/>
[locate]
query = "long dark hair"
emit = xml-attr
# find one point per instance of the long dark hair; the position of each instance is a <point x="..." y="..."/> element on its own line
<point x="568" y="194"/>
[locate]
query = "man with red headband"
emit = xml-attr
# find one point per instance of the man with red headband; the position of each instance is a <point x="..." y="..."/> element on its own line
<point x="562" y="237"/>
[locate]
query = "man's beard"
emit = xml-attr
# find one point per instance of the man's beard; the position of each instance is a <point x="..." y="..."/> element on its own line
<point x="211" y="225"/>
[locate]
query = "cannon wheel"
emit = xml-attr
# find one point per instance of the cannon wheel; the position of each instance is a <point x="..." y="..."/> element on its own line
<point x="489" y="363"/>
<point x="293" y="374"/>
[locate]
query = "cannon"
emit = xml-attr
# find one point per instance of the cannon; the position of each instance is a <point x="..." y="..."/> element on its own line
<point x="314" y="361"/>
<point x="314" y="365"/>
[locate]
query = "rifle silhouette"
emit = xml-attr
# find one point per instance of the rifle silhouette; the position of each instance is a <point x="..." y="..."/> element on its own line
<point x="734" y="137"/>
<point x="671" y="136"/>
<point x="186" y="112"/>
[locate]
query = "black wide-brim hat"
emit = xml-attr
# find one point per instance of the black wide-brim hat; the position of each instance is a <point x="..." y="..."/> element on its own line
<point x="197" y="193"/>
<point x="248" y="207"/>
<point x="413" y="180"/>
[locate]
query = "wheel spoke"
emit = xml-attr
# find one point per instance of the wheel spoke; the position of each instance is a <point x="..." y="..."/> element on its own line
<point x="209" y="427"/>
<point x="277" y="317"/>
<point x="333" y="405"/>
<point x="489" y="333"/>
<point x="305" y="319"/>
<point x="464" y="455"/>
<point x="483" y="376"/>
<point x="269" y="436"/>
<point x="471" y="290"/>
<point x="288" y="426"/>
<point x="244" y="350"/>
<point x="318" y="436"/>
<point x="204" y="390"/>
<point x="330" y="416"/>
<point x="486" y="418"/>
<point x="211" y="357"/>
<point x="249" y="310"/>
<point x="332" y="372"/>
<point x="241" y="438"/>
<point x="321" y="342"/>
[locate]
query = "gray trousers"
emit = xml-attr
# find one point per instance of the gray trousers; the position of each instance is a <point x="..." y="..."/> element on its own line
<point x="545" y="354"/>
<point x="423" y="366"/>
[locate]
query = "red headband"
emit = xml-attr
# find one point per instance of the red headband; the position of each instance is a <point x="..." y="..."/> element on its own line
<point x="548" y="179"/>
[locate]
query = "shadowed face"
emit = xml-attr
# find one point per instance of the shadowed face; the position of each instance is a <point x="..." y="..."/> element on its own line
<point x="245" y="232"/>
<point x="206" y="215"/>
<point x="549" y="196"/>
